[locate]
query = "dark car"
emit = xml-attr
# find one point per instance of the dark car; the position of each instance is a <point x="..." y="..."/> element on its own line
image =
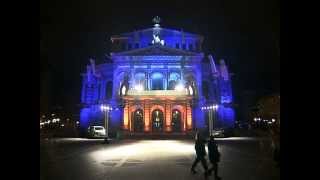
<point x="223" y="132"/>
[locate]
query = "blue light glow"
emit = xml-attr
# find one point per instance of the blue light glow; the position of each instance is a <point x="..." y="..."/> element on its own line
<point x="84" y="118"/>
<point x="226" y="117"/>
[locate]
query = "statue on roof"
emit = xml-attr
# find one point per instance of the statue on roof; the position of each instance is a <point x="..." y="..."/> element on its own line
<point x="156" y="20"/>
<point x="157" y="40"/>
<point x="156" y="31"/>
<point x="93" y="68"/>
<point x="224" y="70"/>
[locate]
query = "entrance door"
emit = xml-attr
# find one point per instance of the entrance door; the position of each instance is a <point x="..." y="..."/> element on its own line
<point x="138" y="120"/>
<point x="176" y="121"/>
<point x="157" y="120"/>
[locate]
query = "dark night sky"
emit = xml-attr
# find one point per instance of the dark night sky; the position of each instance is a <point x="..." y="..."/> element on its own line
<point x="245" y="33"/>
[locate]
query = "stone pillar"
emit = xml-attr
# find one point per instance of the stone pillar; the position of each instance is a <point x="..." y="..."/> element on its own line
<point x="184" y="118"/>
<point x="146" y="83"/>
<point x="129" y="116"/>
<point x="149" y="80"/>
<point x="126" y="117"/>
<point x="146" y="111"/>
<point x="168" y="75"/>
<point x="165" y="81"/>
<point x="168" y="127"/>
<point x="189" y="117"/>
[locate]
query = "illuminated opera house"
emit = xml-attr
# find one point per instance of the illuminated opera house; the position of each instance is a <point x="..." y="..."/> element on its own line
<point x="157" y="81"/>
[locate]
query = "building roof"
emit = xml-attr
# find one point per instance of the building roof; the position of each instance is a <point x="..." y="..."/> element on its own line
<point x="156" y="50"/>
<point x="165" y="32"/>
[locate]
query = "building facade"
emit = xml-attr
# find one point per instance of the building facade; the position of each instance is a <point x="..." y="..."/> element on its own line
<point x="157" y="82"/>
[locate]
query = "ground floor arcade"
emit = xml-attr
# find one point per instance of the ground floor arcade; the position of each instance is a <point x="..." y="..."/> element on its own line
<point x="157" y="116"/>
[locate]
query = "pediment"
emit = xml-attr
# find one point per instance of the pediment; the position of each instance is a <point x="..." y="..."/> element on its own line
<point x="156" y="50"/>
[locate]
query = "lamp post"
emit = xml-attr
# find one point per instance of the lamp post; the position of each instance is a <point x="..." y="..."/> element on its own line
<point x="106" y="109"/>
<point x="212" y="116"/>
<point x="215" y="112"/>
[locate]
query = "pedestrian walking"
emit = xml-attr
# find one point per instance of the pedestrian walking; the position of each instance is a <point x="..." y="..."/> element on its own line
<point x="275" y="144"/>
<point x="214" y="157"/>
<point x="200" y="154"/>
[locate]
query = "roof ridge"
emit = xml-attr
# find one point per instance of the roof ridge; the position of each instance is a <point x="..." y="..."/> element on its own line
<point x="156" y="49"/>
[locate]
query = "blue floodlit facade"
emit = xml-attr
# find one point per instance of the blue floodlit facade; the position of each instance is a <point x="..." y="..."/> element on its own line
<point x="157" y="82"/>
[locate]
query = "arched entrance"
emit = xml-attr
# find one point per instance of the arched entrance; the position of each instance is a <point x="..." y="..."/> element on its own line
<point x="157" y="120"/>
<point x="176" y="121"/>
<point x="137" y="120"/>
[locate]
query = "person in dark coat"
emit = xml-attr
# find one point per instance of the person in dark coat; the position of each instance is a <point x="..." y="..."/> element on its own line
<point x="201" y="153"/>
<point x="275" y="143"/>
<point x="214" y="157"/>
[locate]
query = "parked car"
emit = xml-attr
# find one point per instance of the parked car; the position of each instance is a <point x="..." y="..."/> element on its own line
<point x="96" y="132"/>
<point x="222" y="132"/>
<point x="218" y="132"/>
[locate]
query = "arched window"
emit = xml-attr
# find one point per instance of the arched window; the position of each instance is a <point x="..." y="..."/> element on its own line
<point x="176" y="120"/>
<point x="123" y="89"/>
<point x="137" y="120"/>
<point x="205" y="89"/>
<point x="157" y="81"/>
<point x="109" y="90"/>
<point x="173" y="80"/>
<point x="190" y="90"/>
<point x="157" y="117"/>
<point x="140" y="81"/>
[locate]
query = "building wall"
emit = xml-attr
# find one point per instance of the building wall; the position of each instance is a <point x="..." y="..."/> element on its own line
<point x="123" y="70"/>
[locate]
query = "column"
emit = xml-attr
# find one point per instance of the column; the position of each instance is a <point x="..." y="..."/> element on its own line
<point x="146" y="116"/>
<point x="149" y="80"/>
<point x="189" y="117"/>
<point x="146" y="81"/>
<point x="185" y="118"/>
<point x="168" y="75"/>
<point x="129" y="116"/>
<point x="168" y="127"/>
<point x="126" y="117"/>
<point x="164" y="81"/>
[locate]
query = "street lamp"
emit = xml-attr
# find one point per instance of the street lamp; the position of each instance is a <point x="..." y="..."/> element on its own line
<point x="214" y="109"/>
<point x="106" y="109"/>
<point x="212" y="116"/>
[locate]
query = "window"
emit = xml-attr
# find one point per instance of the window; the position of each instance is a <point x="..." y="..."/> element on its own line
<point x="137" y="45"/>
<point x="109" y="90"/>
<point x="123" y="46"/>
<point x="123" y="90"/>
<point x="191" y="47"/>
<point x="140" y="82"/>
<point x="157" y="81"/>
<point x="197" y="47"/>
<point x="173" y="80"/>
<point x="177" y="46"/>
<point x="205" y="89"/>
<point x="183" y="46"/>
<point x="129" y="46"/>
<point x="190" y="90"/>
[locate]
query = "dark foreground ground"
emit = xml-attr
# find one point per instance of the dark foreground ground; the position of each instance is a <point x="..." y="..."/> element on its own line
<point x="91" y="159"/>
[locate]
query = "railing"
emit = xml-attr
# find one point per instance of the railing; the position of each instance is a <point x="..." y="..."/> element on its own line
<point x="157" y="93"/>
